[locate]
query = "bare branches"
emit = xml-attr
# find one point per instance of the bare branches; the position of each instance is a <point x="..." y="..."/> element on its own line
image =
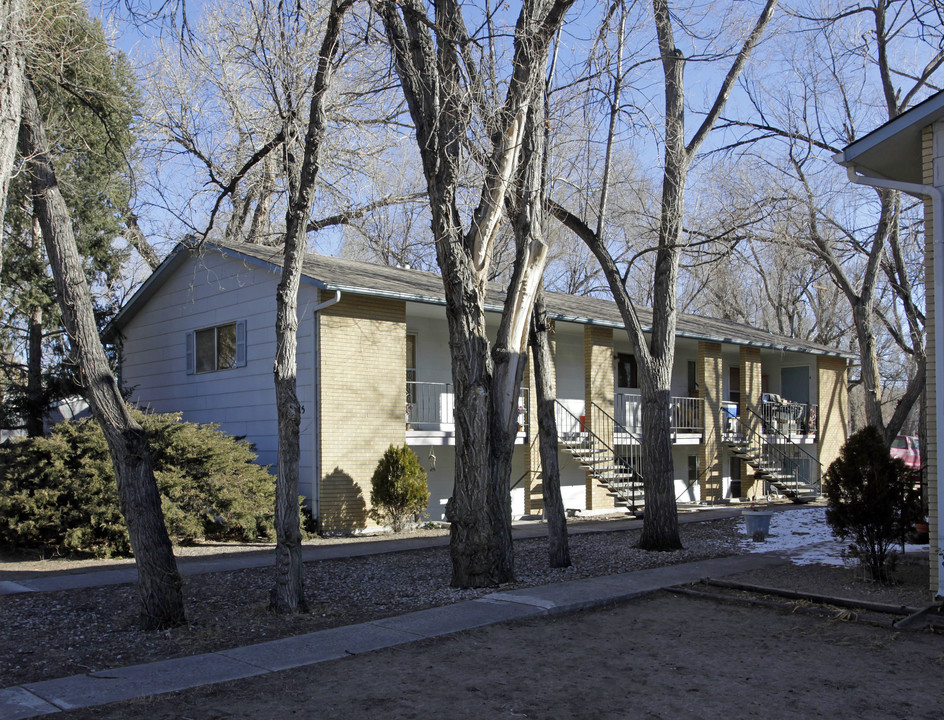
<point x="731" y="77"/>
<point x="351" y="214"/>
<point x="230" y="187"/>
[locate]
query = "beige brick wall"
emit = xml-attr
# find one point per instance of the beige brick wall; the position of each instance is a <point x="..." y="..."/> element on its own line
<point x="598" y="388"/>
<point x="930" y="452"/>
<point x="751" y="392"/>
<point x="833" y="401"/>
<point x="710" y="377"/>
<point x="362" y="402"/>
<point x="532" y="483"/>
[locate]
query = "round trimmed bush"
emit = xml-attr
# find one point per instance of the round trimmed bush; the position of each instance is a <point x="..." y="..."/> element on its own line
<point x="398" y="488"/>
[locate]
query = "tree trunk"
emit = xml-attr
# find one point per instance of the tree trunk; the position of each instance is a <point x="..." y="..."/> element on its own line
<point x="660" y="521"/>
<point x="660" y="530"/>
<point x="432" y="71"/>
<point x="288" y="594"/>
<point x="479" y="549"/>
<point x="558" y="548"/>
<point x="862" y="315"/>
<point x="135" y="237"/>
<point x="11" y="94"/>
<point x="158" y="580"/>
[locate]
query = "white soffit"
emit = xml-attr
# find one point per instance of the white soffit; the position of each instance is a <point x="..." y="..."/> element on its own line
<point x="893" y="150"/>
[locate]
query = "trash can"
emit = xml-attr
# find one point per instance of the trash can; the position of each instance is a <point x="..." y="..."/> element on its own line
<point x="757" y="521"/>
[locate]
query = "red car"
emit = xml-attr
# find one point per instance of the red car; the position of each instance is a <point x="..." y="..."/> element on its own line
<point x="906" y="448"/>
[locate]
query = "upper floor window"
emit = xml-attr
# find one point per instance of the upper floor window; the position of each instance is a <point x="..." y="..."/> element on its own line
<point x="627" y="375"/>
<point x="216" y="348"/>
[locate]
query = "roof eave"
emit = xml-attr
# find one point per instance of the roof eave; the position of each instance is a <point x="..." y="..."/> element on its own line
<point x="890" y="150"/>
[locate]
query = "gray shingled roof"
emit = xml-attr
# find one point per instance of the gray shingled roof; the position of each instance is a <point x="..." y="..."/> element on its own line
<point x="332" y="273"/>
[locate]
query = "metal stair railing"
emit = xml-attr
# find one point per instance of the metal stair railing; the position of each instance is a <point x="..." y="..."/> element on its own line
<point x="703" y="473"/>
<point x="595" y="454"/>
<point x="750" y="442"/>
<point x="778" y="459"/>
<point x="795" y="455"/>
<point x="605" y="424"/>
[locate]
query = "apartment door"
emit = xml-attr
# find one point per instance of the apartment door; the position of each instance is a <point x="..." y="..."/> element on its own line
<point x="795" y="384"/>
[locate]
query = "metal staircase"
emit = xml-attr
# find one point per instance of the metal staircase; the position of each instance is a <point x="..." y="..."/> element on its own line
<point x="618" y="472"/>
<point x="775" y="458"/>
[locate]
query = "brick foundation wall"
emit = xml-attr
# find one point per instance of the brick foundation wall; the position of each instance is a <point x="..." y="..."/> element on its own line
<point x="751" y="392"/>
<point x="362" y="402"/>
<point x="710" y="376"/>
<point x="598" y="388"/>
<point x="931" y="153"/>
<point x="833" y="401"/>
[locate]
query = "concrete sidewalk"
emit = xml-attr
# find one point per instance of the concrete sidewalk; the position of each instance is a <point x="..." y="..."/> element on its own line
<point x="12" y="582"/>
<point x="106" y="686"/>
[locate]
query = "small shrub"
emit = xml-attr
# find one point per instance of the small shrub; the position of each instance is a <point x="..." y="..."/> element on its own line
<point x="872" y="500"/>
<point x="59" y="492"/>
<point x="398" y="488"/>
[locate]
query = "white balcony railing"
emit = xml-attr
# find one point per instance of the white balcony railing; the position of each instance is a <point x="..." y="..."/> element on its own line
<point x="789" y="418"/>
<point x="431" y="406"/>
<point x="776" y="418"/>
<point x="686" y="414"/>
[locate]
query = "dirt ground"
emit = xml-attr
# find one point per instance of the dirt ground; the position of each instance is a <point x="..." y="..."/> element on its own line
<point x="57" y="634"/>
<point x="663" y="656"/>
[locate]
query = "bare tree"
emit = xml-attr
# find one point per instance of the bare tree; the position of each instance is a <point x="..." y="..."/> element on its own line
<point x="655" y="346"/>
<point x="444" y="83"/>
<point x="288" y="594"/>
<point x="216" y="114"/>
<point x="159" y="584"/>
<point x="859" y="66"/>
<point x="12" y="64"/>
<point x="529" y="221"/>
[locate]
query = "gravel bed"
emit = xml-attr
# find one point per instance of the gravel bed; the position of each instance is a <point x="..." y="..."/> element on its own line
<point x="47" y="635"/>
<point x="56" y="634"/>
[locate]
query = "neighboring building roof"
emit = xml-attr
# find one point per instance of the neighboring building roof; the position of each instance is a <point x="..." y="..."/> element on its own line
<point x="361" y="278"/>
<point x="893" y="150"/>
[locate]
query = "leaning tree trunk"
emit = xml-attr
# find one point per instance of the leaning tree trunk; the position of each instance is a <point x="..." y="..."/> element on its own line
<point x="159" y="583"/>
<point x="558" y="548"/>
<point x="12" y="59"/>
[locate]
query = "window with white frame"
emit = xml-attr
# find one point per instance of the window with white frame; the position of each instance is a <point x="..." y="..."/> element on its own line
<point x="222" y="347"/>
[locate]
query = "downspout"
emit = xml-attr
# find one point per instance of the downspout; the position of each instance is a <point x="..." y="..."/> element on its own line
<point x="316" y="420"/>
<point x="937" y="223"/>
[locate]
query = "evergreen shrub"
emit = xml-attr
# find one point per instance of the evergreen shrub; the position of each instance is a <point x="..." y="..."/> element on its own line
<point x="58" y="493"/>
<point x="399" y="491"/>
<point x="872" y="500"/>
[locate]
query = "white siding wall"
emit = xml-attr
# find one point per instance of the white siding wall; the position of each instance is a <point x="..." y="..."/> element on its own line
<point x="433" y="363"/>
<point x="205" y="292"/>
<point x="774" y="362"/>
<point x="570" y="373"/>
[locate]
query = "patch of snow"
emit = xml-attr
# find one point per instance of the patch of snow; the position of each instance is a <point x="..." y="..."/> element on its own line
<point x="803" y="536"/>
